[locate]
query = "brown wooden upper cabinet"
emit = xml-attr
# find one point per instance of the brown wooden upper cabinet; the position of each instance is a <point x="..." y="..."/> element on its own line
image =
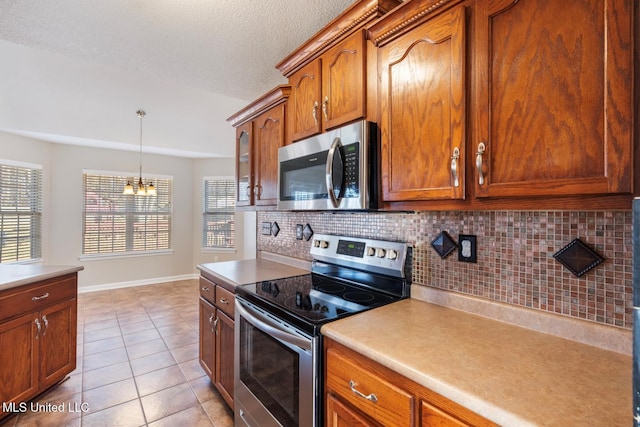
<point x="329" y="91"/>
<point x="507" y="104"/>
<point x="261" y="129"/>
<point x="553" y="98"/>
<point x="333" y="75"/>
<point x="423" y="103"/>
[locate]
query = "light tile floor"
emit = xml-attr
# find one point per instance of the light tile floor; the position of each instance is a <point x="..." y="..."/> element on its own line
<point x="137" y="364"/>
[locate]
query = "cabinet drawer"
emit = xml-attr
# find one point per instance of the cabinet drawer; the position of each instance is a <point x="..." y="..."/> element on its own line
<point x="33" y="298"/>
<point x="207" y="290"/>
<point x="359" y="385"/>
<point x="225" y="301"/>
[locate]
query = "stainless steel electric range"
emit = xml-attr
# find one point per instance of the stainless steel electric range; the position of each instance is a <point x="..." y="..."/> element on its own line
<point x="278" y="366"/>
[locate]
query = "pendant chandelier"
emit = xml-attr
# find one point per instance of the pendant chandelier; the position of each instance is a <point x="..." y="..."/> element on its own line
<point x="141" y="189"/>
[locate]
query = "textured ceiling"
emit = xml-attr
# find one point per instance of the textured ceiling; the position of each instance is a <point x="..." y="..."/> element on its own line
<point x="207" y="47"/>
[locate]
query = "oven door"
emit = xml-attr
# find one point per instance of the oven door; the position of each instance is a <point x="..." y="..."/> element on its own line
<point x="275" y="371"/>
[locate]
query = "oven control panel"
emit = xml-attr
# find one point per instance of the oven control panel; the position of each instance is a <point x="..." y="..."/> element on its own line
<point x="379" y="255"/>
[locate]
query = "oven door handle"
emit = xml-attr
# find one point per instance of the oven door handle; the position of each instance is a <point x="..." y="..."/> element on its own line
<point x="269" y="328"/>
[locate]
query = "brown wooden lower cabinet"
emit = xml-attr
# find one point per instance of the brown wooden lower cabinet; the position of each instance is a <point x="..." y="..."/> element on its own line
<point x="38" y="332"/>
<point x="361" y="392"/>
<point x="216" y="335"/>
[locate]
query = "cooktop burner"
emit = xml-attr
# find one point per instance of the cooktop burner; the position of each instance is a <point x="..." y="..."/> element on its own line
<point x="358" y="275"/>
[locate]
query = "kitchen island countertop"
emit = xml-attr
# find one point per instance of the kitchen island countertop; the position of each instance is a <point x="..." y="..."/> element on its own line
<point x="510" y="375"/>
<point x="22" y="274"/>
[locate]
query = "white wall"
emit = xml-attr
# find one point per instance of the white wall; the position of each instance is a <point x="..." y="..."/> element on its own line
<point x="62" y="210"/>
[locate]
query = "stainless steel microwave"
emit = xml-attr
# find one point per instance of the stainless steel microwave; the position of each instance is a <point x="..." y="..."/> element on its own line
<point x="335" y="170"/>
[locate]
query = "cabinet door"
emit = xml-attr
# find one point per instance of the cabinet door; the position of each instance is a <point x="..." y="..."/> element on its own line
<point x="207" y="337"/>
<point x="269" y="136"/>
<point x="19" y="340"/>
<point x="343" y="81"/>
<point x="58" y="342"/>
<point x="342" y="415"/>
<point x="554" y="97"/>
<point x="224" y="357"/>
<point x="305" y="100"/>
<point x="244" y="166"/>
<point x="423" y="111"/>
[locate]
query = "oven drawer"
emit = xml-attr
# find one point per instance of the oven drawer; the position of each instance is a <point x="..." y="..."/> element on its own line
<point x="363" y="388"/>
<point x="207" y="290"/>
<point x="225" y="301"/>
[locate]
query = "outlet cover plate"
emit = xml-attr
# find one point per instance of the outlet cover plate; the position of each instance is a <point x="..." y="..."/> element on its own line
<point x="467" y="248"/>
<point x="266" y="228"/>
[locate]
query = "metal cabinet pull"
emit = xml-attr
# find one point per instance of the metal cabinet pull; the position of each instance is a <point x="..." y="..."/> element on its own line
<point x="215" y="325"/>
<point x="39" y="328"/>
<point x="204" y="289"/>
<point x="454" y="166"/>
<point x="46" y="325"/>
<point x="371" y="397"/>
<point x="249" y="191"/>
<point x="211" y="322"/>
<point x="223" y="300"/>
<point x="481" y="149"/>
<point x="314" y="112"/>
<point x="257" y="190"/>
<point x="325" y="105"/>
<point x="40" y="297"/>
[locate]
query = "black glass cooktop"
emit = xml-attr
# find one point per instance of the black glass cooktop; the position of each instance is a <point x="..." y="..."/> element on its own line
<point x="310" y="300"/>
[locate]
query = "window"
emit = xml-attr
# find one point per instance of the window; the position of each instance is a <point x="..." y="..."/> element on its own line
<point x="20" y="211"/>
<point x="219" y="200"/>
<point x="117" y="224"/>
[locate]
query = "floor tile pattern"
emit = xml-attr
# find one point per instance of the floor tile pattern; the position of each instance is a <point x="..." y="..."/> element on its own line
<point x="137" y="364"/>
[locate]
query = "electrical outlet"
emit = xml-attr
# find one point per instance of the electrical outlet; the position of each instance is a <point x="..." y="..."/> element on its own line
<point x="467" y="248"/>
<point x="266" y="228"/>
<point x="299" y="235"/>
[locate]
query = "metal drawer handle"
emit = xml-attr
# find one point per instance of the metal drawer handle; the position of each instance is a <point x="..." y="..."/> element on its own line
<point x="46" y="325"/>
<point x="204" y="288"/>
<point x="39" y="328"/>
<point x="371" y="397"/>
<point x="223" y="300"/>
<point x="40" y="297"/>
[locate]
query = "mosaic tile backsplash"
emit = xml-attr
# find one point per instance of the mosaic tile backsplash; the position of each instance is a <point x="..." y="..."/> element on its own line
<point x="515" y="263"/>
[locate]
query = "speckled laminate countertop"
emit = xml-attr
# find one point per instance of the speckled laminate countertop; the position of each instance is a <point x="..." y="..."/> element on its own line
<point x="246" y="271"/>
<point x="18" y="275"/>
<point x="508" y="374"/>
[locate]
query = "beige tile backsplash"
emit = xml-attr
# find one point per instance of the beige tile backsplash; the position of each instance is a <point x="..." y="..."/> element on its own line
<point x="515" y="254"/>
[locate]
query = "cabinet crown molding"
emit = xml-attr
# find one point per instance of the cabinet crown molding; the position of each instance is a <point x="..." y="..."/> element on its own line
<point x="355" y="17"/>
<point x="275" y="96"/>
<point x="405" y="17"/>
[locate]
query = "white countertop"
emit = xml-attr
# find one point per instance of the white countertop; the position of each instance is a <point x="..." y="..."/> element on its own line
<point x="23" y="274"/>
<point x="243" y="272"/>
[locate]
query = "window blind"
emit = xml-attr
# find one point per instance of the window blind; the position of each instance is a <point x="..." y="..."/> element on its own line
<point x="219" y="203"/>
<point x="117" y="223"/>
<point x="20" y="212"/>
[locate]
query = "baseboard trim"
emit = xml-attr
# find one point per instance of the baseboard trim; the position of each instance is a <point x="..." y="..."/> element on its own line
<point x="118" y="285"/>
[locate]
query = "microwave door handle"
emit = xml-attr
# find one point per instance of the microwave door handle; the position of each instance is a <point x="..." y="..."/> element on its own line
<point x="336" y="144"/>
<point x="270" y="329"/>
